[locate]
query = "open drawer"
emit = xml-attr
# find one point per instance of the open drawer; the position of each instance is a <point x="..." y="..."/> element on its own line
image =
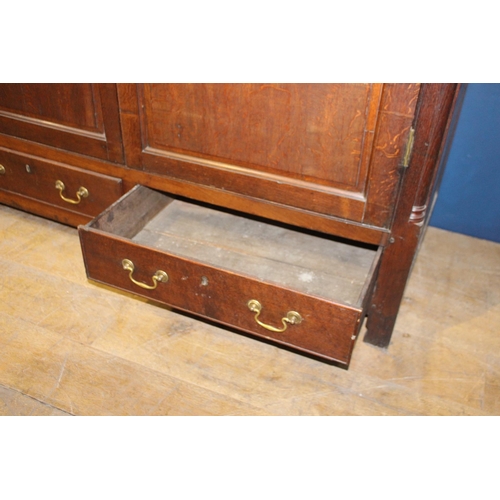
<point x="299" y="289"/>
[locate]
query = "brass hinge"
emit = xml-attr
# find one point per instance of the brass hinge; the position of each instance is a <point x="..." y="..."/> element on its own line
<point x="409" y="147"/>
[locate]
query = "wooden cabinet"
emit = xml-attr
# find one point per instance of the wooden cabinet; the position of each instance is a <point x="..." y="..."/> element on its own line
<point x="350" y="168"/>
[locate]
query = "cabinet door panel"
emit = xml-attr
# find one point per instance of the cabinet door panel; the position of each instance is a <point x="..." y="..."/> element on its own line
<point x="81" y="118"/>
<point x="309" y="146"/>
<point x="282" y="130"/>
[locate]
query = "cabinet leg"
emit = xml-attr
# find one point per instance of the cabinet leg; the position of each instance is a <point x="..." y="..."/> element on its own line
<point x="379" y="328"/>
<point x="395" y="267"/>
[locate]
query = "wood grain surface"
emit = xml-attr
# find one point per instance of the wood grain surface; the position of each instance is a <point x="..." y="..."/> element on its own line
<point x="217" y="262"/>
<point x="332" y="149"/>
<point x="35" y="178"/>
<point x="82" y="118"/>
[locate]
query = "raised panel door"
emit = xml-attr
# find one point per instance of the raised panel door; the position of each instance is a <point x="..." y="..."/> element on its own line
<point x="81" y="118"/>
<point x="332" y="149"/>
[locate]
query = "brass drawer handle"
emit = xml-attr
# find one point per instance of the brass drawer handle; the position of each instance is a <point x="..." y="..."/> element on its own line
<point x="2" y="170"/>
<point x="81" y="193"/>
<point x="159" y="276"/>
<point x="292" y="317"/>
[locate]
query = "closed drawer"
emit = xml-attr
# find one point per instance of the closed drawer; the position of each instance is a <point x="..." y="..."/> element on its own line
<point x="57" y="184"/>
<point x="296" y="288"/>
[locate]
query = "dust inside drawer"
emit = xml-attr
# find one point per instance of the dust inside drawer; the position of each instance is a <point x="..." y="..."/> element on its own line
<point x="300" y="263"/>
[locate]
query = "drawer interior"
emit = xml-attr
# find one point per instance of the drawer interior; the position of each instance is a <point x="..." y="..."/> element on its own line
<point x="306" y="262"/>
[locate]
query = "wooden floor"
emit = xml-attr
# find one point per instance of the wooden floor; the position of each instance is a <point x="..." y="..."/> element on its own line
<point x="70" y="347"/>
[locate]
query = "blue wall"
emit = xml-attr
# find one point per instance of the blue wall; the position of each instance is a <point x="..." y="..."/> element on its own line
<point x="469" y="197"/>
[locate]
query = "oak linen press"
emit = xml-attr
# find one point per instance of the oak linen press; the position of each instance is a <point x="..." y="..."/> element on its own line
<point x="287" y="211"/>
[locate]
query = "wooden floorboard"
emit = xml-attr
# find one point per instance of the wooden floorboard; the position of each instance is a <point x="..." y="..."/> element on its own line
<point x="70" y="347"/>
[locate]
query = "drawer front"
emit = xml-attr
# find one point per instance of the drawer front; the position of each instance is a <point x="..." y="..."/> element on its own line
<point x="326" y="329"/>
<point x="59" y="185"/>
